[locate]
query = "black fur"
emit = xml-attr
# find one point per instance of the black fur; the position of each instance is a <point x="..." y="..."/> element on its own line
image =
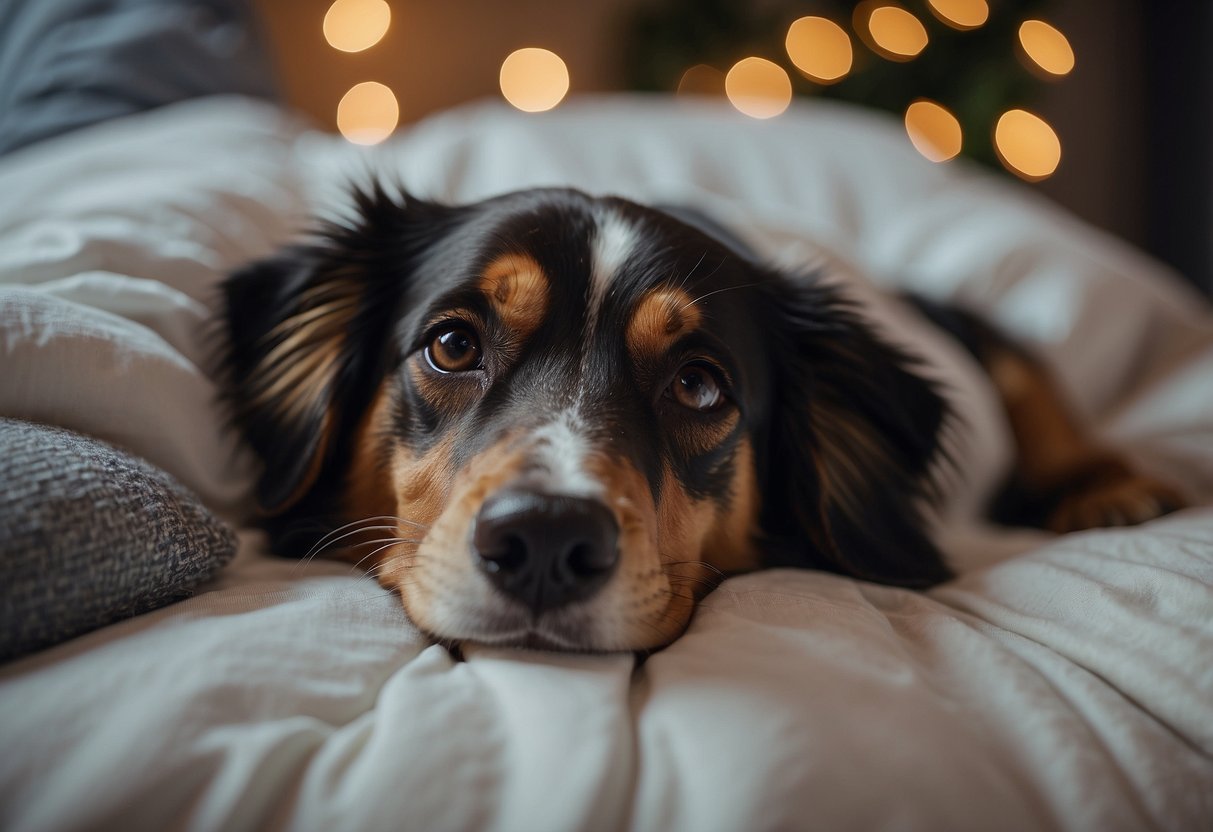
<point x="837" y="377"/>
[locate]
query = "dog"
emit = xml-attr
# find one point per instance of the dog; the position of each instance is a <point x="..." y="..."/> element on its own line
<point x="555" y="421"/>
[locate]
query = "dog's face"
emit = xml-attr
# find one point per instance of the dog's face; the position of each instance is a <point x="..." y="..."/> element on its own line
<point x="552" y="420"/>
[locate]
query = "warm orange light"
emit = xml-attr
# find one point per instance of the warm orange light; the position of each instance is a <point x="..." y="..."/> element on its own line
<point x="820" y="49"/>
<point x="701" y="79"/>
<point x="533" y="79"/>
<point x="354" y="25"/>
<point x="895" y="33"/>
<point x="1046" y="47"/>
<point x="368" y="113"/>
<point x="1027" y="145"/>
<point x="960" y="14"/>
<point x="758" y="88"/>
<point x="933" y="130"/>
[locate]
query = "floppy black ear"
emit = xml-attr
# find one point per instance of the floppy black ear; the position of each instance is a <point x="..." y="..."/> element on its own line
<point x="854" y="433"/>
<point x="308" y="335"/>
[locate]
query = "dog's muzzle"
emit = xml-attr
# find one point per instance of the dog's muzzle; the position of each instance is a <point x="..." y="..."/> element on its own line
<point x="543" y="550"/>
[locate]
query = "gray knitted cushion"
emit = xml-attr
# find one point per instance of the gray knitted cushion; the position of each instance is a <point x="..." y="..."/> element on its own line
<point x="90" y="535"/>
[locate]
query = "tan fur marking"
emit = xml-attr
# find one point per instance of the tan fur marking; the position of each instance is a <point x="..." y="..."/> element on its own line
<point x="1011" y="374"/>
<point x="659" y="578"/>
<point x="845" y="452"/>
<point x="432" y="493"/>
<point x="320" y="320"/>
<point x="683" y="524"/>
<point x="659" y="319"/>
<point x="1099" y="487"/>
<point x="1049" y="440"/>
<point x="369" y="491"/>
<point x="626" y="494"/>
<point x="730" y="546"/>
<point x="301" y="384"/>
<point x="423" y="484"/>
<point x="487" y="472"/>
<point x="298" y="369"/>
<point x="295" y="374"/>
<point x="388" y="479"/>
<point x="518" y="290"/>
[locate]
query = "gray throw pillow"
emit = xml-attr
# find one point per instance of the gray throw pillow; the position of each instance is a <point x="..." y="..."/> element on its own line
<point x="90" y="534"/>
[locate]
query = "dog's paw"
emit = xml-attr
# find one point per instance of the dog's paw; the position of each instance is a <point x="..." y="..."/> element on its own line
<point x="1115" y="496"/>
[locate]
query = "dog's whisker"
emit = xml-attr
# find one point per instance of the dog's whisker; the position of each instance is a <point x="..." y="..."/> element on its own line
<point x="362" y="543"/>
<point x="708" y="582"/>
<point x="386" y="546"/>
<point x="682" y="284"/>
<point x="701" y="563"/>
<point x="716" y="292"/>
<point x="653" y="625"/>
<point x="378" y="596"/>
<point x="351" y="525"/>
<point x="357" y="527"/>
<point x="390" y="541"/>
<point x="320" y="547"/>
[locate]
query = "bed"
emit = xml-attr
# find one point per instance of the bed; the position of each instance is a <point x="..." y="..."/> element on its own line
<point x="1056" y="683"/>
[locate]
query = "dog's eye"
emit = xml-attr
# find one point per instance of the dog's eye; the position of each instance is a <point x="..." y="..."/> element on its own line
<point x="454" y="350"/>
<point x="697" y="386"/>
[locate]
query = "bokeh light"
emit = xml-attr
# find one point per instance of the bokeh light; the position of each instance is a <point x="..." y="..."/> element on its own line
<point x="355" y="25"/>
<point x="758" y="87"/>
<point x="533" y="79"/>
<point x="1046" y="47"/>
<point x="368" y="113"/>
<point x="820" y="48"/>
<point x="894" y="33"/>
<point x="701" y="79"/>
<point x="1027" y="145"/>
<point x="933" y="130"/>
<point x="960" y="14"/>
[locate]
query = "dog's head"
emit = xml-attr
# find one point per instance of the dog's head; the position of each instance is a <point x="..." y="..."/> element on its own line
<point x="556" y="420"/>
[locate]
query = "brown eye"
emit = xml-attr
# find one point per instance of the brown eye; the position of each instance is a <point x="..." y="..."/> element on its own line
<point x="698" y="387"/>
<point x="454" y="350"/>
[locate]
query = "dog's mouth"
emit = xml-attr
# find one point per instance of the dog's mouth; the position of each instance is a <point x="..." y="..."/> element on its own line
<point x="556" y="631"/>
<point x="538" y="641"/>
<point x="535" y="639"/>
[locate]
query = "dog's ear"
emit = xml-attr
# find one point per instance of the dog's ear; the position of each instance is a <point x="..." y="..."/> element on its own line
<point x="853" y="435"/>
<point x="308" y="333"/>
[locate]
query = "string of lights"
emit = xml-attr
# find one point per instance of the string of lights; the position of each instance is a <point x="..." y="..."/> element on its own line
<point x="820" y="50"/>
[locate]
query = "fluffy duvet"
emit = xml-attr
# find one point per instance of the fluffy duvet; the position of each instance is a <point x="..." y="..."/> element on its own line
<point x="1059" y="683"/>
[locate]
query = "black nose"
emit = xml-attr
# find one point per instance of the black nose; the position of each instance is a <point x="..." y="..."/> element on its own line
<point x="545" y="550"/>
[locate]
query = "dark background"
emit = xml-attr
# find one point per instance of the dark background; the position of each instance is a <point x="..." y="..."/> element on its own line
<point x="1177" y="66"/>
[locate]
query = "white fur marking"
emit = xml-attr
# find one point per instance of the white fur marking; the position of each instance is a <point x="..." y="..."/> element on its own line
<point x="614" y="240"/>
<point x="559" y="452"/>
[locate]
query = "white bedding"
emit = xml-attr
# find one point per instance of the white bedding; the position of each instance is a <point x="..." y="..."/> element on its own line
<point x="1070" y="686"/>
